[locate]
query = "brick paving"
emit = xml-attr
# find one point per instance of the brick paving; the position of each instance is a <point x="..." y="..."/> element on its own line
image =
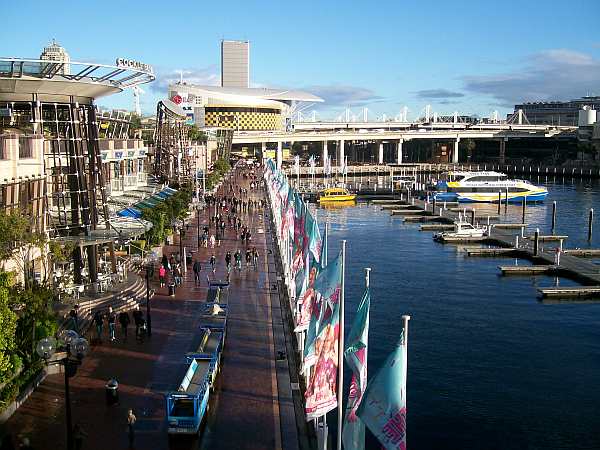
<point x="251" y="407"/>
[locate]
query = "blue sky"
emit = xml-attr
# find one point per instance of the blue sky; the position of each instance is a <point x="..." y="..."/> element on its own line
<point x="470" y="56"/>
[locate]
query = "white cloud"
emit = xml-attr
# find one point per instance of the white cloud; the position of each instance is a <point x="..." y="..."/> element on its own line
<point x="201" y="76"/>
<point x="557" y="74"/>
<point x="341" y="95"/>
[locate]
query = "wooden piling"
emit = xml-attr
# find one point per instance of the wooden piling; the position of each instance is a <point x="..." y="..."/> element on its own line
<point x="590" y="224"/>
<point x="553" y="216"/>
<point x="499" y="201"/>
<point x="524" y="208"/>
<point x="536" y="242"/>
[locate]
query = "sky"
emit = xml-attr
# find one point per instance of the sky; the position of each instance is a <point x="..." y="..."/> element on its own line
<point x="469" y="56"/>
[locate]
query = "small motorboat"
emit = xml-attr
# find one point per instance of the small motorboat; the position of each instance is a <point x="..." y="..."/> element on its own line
<point x="463" y="232"/>
<point x="336" y="195"/>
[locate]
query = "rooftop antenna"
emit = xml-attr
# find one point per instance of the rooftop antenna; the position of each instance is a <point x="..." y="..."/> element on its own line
<point x="136" y="98"/>
<point x="180" y="76"/>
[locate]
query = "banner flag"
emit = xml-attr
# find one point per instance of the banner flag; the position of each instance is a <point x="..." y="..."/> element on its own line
<point x="383" y="408"/>
<point x="355" y="354"/>
<point x="315" y="314"/>
<point x="321" y="393"/>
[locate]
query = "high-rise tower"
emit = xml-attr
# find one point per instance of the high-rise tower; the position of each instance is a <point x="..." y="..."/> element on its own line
<point x="235" y="64"/>
<point x="54" y="52"/>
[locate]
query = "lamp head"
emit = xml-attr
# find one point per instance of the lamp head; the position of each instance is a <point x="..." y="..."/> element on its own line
<point x="80" y="347"/>
<point x="68" y="336"/>
<point x="46" y="347"/>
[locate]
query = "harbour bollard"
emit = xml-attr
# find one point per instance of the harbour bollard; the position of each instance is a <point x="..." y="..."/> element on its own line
<point x="536" y="242"/>
<point x="590" y="224"/>
<point x="524" y="208"/>
<point x="473" y="217"/>
<point x="553" y="216"/>
<point x="499" y="201"/>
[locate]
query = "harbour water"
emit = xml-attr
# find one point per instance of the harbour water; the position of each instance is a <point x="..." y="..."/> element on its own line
<point x="490" y="366"/>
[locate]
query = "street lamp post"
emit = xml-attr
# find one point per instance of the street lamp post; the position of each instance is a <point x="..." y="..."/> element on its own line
<point x="76" y="347"/>
<point x="149" y="269"/>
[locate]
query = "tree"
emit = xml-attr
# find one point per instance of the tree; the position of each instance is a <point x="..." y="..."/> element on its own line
<point x="8" y="326"/>
<point x="18" y="241"/>
<point x="196" y="135"/>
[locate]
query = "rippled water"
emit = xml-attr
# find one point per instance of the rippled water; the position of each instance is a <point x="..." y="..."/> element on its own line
<point x="490" y="366"/>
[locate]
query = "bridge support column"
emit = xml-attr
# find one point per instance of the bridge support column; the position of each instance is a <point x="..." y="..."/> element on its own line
<point x="279" y="155"/>
<point x="341" y="155"/>
<point x="503" y="150"/>
<point x="380" y="156"/>
<point x="324" y="154"/>
<point x="399" y="151"/>
<point x="455" y="152"/>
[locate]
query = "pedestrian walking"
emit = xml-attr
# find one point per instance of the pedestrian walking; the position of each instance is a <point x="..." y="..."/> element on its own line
<point x="124" y="321"/>
<point x="212" y="241"/>
<point x="248" y="257"/>
<point x="197" y="268"/>
<point x="255" y="258"/>
<point x="228" y="261"/>
<point x="111" y="323"/>
<point x="131" y="420"/>
<point x="138" y="319"/>
<point x="78" y="436"/>
<point x="213" y="262"/>
<point x="162" y="273"/>
<point x="99" y="322"/>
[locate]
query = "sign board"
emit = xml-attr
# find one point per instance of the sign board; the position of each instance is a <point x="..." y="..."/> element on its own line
<point x="133" y="64"/>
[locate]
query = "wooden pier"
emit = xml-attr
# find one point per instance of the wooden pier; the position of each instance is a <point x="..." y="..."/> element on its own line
<point x="503" y="237"/>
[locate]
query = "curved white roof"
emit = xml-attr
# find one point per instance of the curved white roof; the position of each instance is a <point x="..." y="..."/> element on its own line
<point x="281" y="95"/>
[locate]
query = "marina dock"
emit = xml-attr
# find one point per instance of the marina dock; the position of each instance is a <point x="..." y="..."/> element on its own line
<point x="503" y="238"/>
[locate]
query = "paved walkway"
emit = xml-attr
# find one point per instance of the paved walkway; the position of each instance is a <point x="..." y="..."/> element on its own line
<point x="252" y="408"/>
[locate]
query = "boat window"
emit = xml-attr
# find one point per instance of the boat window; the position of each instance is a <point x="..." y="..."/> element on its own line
<point x="183" y="407"/>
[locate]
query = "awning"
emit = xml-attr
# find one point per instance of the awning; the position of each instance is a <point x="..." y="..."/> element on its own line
<point x="135" y="211"/>
<point x="130" y="212"/>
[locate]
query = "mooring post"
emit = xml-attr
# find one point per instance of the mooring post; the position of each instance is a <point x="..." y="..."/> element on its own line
<point x="441" y="212"/>
<point x="444" y="204"/>
<point x="433" y="205"/>
<point x="499" y="201"/>
<point x="536" y="242"/>
<point x="553" y="216"/>
<point x="506" y="202"/>
<point x="524" y="208"/>
<point x="590" y="224"/>
<point x="517" y="241"/>
<point x="473" y="217"/>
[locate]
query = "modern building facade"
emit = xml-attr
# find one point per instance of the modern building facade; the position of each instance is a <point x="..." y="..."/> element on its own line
<point x="54" y="52"/>
<point x="557" y="113"/>
<point x="235" y="64"/>
<point x="241" y="109"/>
<point x="61" y="161"/>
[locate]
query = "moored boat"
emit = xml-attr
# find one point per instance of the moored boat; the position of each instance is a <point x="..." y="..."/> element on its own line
<point x="335" y="195"/>
<point x="463" y="231"/>
<point x="488" y="187"/>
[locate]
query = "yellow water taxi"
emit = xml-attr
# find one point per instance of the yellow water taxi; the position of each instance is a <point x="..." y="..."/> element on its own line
<point x="336" y="195"/>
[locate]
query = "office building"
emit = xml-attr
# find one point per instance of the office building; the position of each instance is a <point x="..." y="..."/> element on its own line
<point x="235" y="64"/>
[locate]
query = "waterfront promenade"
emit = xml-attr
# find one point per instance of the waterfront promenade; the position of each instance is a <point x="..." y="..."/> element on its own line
<point x="253" y="405"/>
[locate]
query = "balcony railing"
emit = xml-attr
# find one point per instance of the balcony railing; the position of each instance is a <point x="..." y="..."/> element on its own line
<point x="130" y="180"/>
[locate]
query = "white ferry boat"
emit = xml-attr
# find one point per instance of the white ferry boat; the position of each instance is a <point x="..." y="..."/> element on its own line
<point x="484" y="187"/>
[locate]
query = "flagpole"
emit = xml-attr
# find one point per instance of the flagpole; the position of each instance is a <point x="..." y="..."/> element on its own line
<point x="340" y="386"/>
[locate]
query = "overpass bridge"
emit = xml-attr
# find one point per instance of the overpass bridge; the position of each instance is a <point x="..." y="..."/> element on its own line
<point x="396" y="134"/>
